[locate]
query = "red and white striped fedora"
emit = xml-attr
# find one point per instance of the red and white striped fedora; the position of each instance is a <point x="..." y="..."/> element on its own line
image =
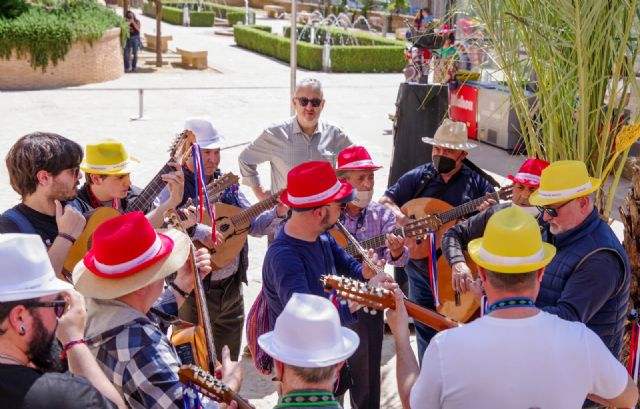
<point x="529" y="173"/>
<point x="313" y="184"/>
<point x="356" y="158"/>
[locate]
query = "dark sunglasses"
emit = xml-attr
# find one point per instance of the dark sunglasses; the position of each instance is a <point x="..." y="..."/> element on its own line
<point x="553" y="212"/>
<point x="315" y="102"/>
<point x="59" y="306"/>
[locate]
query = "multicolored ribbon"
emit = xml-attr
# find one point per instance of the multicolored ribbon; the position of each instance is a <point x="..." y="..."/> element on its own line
<point x="190" y="397"/>
<point x="634" y="351"/>
<point x="433" y="267"/>
<point x="333" y="297"/>
<point x="483" y="305"/>
<point x="201" y="186"/>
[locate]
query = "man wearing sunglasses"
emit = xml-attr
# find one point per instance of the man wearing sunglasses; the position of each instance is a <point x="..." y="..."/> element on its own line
<point x="588" y="279"/>
<point x="33" y="312"/>
<point x="44" y="170"/>
<point x="299" y="139"/>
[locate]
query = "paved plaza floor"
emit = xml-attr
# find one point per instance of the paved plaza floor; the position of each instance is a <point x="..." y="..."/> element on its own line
<point x="242" y="92"/>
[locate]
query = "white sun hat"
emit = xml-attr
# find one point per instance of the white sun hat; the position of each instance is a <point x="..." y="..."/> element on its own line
<point x="26" y="270"/>
<point x="308" y="334"/>
<point x="207" y="135"/>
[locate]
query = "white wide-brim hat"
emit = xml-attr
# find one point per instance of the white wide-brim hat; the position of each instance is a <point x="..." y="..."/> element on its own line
<point x="452" y="135"/>
<point x="26" y="269"/>
<point x="207" y="135"/>
<point x="308" y="334"/>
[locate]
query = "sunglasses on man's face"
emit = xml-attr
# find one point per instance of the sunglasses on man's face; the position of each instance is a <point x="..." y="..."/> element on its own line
<point x="315" y="102"/>
<point x="59" y="306"/>
<point x="551" y="211"/>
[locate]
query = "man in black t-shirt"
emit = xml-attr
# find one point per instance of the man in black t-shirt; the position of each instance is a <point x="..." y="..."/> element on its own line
<point x="44" y="171"/>
<point x="35" y="307"/>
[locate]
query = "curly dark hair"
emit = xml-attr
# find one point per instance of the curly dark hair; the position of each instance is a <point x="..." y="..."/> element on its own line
<point x="40" y="151"/>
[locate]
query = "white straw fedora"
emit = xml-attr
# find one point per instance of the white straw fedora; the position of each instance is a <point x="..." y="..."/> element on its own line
<point x="207" y="135"/>
<point x="26" y="269"/>
<point x="452" y="135"/>
<point x="308" y="334"/>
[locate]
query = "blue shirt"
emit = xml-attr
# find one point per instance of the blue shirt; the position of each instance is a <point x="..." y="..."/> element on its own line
<point x="295" y="266"/>
<point x="463" y="187"/>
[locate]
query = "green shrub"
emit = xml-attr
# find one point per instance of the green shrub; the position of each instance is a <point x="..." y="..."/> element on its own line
<point x="309" y="55"/>
<point x="234" y="17"/>
<point x="201" y="18"/>
<point x="48" y="34"/>
<point x="172" y="15"/>
<point x="367" y="59"/>
<point x="340" y="36"/>
<point x="263" y="28"/>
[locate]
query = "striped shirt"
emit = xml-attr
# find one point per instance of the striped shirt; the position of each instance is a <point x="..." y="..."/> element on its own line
<point x="285" y="145"/>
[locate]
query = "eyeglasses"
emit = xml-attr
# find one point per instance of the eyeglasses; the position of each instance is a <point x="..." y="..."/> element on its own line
<point x="315" y="102"/>
<point x="59" y="306"/>
<point x="553" y="212"/>
<point x="341" y="206"/>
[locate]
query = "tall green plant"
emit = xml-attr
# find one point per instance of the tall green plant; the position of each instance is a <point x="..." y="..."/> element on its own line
<point x="571" y="48"/>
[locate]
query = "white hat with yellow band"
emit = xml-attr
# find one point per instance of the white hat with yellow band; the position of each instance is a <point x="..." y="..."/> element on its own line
<point x="108" y="157"/>
<point x="511" y="243"/>
<point x="562" y="181"/>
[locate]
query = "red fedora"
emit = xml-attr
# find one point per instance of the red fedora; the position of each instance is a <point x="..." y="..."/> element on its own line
<point x="128" y="254"/>
<point x="355" y="158"/>
<point x="312" y="184"/>
<point x="529" y="173"/>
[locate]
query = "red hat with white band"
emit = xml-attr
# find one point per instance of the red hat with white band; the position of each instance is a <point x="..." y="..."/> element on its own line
<point x="529" y="173"/>
<point x="356" y="158"/>
<point x="127" y="255"/>
<point x="313" y="184"/>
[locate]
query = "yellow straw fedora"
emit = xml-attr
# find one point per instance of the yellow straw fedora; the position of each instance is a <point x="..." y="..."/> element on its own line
<point x="108" y="157"/>
<point x="562" y="181"/>
<point x="511" y="243"/>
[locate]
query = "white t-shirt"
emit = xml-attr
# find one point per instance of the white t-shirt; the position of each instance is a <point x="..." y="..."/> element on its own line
<point x="538" y="362"/>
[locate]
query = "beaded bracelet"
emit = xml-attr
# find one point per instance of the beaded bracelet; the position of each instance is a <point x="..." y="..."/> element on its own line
<point x="70" y="345"/>
<point x="67" y="236"/>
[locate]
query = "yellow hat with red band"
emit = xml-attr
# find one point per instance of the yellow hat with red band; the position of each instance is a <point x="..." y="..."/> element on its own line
<point x="562" y="181"/>
<point x="511" y="243"/>
<point x="108" y="157"/>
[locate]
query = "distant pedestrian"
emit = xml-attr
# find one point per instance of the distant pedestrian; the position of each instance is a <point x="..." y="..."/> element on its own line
<point x="133" y="43"/>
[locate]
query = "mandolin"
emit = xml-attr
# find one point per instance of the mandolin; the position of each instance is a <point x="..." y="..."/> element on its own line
<point x="233" y="223"/>
<point x="194" y="345"/>
<point x="378" y="298"/>
<point x="211" y="387"/>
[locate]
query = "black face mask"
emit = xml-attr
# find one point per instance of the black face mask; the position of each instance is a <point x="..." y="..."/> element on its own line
<point x="443" y="164"/>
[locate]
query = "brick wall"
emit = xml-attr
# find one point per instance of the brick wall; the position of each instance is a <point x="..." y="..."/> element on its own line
<point x="83" y="64"/>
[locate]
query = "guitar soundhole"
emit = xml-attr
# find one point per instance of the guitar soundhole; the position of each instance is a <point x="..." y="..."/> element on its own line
<point x="224" y="228"/>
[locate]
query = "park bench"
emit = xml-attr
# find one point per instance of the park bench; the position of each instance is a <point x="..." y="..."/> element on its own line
<point x="197" y="59"/>
<point x="164" y="41"/>
<point x="273" y="10"/>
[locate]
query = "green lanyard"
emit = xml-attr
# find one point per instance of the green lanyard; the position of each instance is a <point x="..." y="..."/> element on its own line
<point x="308" y="400"/>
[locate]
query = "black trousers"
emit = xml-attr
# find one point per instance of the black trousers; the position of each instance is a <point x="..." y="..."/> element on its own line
<point x="226" y="311"/>
<point x="364" y="364"/>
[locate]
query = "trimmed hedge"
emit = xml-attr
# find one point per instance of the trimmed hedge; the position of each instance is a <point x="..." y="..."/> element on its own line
<point x="309" y="55"/>
<point x="362" y="58"/>
<point x="234" y="17"/>
<point x="202" y="18"/>
<point x="171" y="15"/>
<point x="211" y="10"/>
<point x="263" y="28"/>
<point x="340" y="36"/>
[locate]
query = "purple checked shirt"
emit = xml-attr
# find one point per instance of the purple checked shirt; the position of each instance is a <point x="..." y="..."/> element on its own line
<point x="377" y="220"/>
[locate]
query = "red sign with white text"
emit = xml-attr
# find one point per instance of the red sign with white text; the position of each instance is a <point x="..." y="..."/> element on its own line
<point x="463" y="107"/>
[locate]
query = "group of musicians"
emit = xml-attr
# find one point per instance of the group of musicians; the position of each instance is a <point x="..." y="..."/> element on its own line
<point x="545" y="253"/>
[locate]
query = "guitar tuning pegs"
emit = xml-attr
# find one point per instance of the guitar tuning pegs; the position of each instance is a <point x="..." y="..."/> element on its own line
<point x="343" y="301"/>
<point x="365" y="309"/>
<point x="373" y="311"/>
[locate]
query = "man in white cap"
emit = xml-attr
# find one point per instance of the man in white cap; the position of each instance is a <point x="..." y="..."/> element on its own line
<point x="35" y="307"/>
<point x="308" y="346"/>
<point x="301" y="138"/>
<point x="589" y="279"/>
<point x="223" y="288"/>
<point x="515" y="356"/>
<point x="448" y="179"/>
<point x="44" y="169"/>
<point x="122" y="276"/>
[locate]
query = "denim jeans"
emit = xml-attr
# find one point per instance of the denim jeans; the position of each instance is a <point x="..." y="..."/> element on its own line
<point x="420" y="293"/>
<point x="132" y="45"/>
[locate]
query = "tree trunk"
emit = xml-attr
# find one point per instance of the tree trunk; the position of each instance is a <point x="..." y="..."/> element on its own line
<point x="158" y="33"/>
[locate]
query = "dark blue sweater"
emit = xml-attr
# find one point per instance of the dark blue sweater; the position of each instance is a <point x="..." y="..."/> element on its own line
<point x="295" y="266"/>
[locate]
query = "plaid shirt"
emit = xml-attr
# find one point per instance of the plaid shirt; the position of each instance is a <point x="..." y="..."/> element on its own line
<point x="135" y="353"/>
<point x="372" y="221"/>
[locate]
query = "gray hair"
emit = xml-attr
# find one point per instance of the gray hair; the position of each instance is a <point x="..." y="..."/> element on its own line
<point x="309" y="83"/>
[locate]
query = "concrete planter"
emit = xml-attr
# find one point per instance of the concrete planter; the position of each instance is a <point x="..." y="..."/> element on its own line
<point x="83" y="64"/>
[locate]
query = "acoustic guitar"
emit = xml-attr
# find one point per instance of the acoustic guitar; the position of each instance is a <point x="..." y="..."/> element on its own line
<point x="233" y="223"/>
<point x="377" y="298"/>
<point x="210" y="386"/>
<point x="194" y="344"/>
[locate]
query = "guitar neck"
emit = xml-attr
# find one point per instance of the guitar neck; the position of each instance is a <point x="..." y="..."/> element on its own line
<point x="429" y="318"/>
<point x="203" y="313"/>
<point x="232" y="396"/>
<point x="372" y="243"/>
<point x="247" y="215"/>
<point x="465" y="209"/>
<point x="150" y="192"/>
